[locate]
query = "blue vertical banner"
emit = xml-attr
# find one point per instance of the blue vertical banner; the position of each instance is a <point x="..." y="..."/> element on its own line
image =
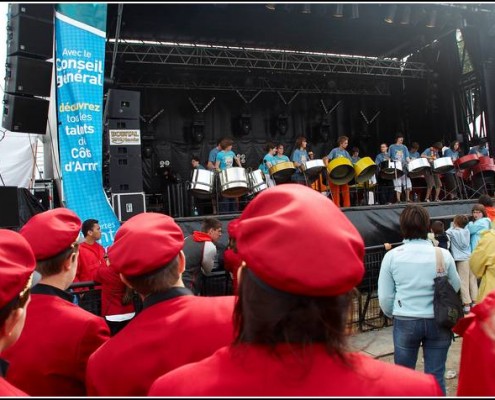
<point x="80" y="31"/>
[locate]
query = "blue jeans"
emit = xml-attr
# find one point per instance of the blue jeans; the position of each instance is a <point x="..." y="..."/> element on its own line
<point x="410" y="334"/>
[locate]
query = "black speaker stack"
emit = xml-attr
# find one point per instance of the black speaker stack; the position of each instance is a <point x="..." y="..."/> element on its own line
<point x="123" y="142"/>
<point x="28" y="73"/>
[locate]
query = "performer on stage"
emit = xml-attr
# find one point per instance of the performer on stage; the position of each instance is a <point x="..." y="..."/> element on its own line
<point x="450" y="179"/>
<point x="195" y="163"/>
<point x="413" y="151"/>
<point x="212" y="157"/>
<point x="336" y="190"/>
<point x="432" y="153"/>
<point x="299" y="156"/>
<point x="280" y="156"/>
<point x="479" y="147"/>
<point x="385" y="187"/>
<point x="225" y="159"/>
<point x="399" y="153"/>
<point x="268" y="162"/>
<point x="355" y="155"/>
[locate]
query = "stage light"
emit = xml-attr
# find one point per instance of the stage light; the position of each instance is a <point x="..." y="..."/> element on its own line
<point x="283" y="124"/>
<point x="245" y="123"/>
<point x="339" y="11"/>
<point x="432" y="21"/>
<point x="306" y="9"/>
<point x="406" y="15"/>
<point x="270" y="6"/>
<point x="198" y="131"/>
<point x="392" y="9"/>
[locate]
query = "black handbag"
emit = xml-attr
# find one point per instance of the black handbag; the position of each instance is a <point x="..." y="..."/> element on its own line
<point x="447" y="305"/>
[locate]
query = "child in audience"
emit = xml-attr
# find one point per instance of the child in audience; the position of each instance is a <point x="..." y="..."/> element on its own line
<point x="479" y="224"/>
<point x="438" y="235"/>
<point x="461" y="251"/>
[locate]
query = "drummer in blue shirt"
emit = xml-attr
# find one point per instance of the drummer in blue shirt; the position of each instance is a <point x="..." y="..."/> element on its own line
<point x="384" y="185"/>
<point x="432" y="153"/>
<point x="479" y="148"/>
<point x="336" y="190"/>
<point x="280" y="156"/>
<point x="268" y="162"/>
<point x="450" y="179"/>
<point x="225" y="159"/>
<point x="299" y="157"/>
<point x="400" y="154"/>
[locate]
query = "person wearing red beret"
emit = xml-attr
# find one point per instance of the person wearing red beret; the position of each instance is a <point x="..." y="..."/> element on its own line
<point x="173" y="328"/>
<point x="17" y="277"/>
<point x="477" y="329"/>
<point x="50" y="357"/>
<point x="292" y="311"/>
<point x="200" y="252"/>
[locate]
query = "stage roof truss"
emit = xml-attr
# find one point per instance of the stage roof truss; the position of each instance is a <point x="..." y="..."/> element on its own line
<point x="252" y="59"/>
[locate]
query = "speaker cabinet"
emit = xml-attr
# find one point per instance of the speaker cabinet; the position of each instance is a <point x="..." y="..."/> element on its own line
<point x="9" y="207"/>
<point x="29" y="76"/>
<point x="38" y="11"/>
<point x="25" y="114"/>
<point x="125" y="170"/>
<point x="123" y="104"/>
<point x="29" y="37"/>
<point x="129" y="204"/>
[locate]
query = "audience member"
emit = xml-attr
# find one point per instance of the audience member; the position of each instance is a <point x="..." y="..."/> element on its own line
<point x="438" y="236"/>
<point x="174" y="328"/>
<point x="50" y="357"/>
<point x="479" y="224"/>
<point x="478" y="350"/>
<point x="405" y="293"/>
<point x="292" y="311"/>
<point x="200" y="251"/>
<point x="482" y="263"/>
<point x="17" y="277"/>
<point x="487" y="202"/>
<point x="461" y="251"/>
<point x="91" y="253"/>
<point x="232" y="260"/>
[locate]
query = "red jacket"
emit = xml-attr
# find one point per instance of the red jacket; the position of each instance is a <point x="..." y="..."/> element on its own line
<point x="6" y="389"/>
<point x="476" y="370"/>
<point x="252" y="371"/>
<point x="174" y="328"/>
<point x="91" y="256"/>
<point x="50" y="357"/>
<point x="112" y="291"/>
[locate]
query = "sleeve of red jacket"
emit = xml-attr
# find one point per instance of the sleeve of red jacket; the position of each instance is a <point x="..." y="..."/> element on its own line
<point x="232" y="261"/>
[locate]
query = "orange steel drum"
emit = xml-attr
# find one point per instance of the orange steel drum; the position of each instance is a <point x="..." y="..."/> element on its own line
<point x="364" y="169"/>
<point x="340" y="170"/>
<point x="468" y="161"/>
<point x="486" y="165"/>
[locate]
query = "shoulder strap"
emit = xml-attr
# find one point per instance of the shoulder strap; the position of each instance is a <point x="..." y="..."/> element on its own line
<point x="439" y="258"/>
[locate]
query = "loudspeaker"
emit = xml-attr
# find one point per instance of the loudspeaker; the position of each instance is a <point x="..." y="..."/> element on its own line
<point x="29" y="76"/>
<point x="129" y="204"/>
<point x="30" y="37"/>
<point x="37" y="11"/>
<point x="123" y="104"/>
<point x="25" y="114"/>
<point x="9" y="207"/>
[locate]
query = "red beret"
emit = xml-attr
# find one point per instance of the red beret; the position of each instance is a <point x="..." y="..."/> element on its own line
<point x="232" y="227"/>
<point x="17" y="263"/>
<point x="296" y="240"/>
<point x="145" y="243"/>
<point x="51" y="232"/>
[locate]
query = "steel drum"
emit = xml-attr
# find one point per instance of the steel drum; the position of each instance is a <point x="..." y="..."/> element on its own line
<point x="312" y="169"/>
<point x="418" y="167"/>
<point x="256" y="181"/>
<point x="485" y="165"/>
<point x="202" y="183"/>
<point x="443" y="165"/>
<point x="364" y="170"/>
<point x="467" y="161"/>
<point x="340" y="170"/>
<point x="282" y="172"/>
<point x="391" y="169"/>
<point x="233" y="182"/>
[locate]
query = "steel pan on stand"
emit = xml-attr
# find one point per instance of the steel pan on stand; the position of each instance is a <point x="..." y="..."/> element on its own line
<point x="282" y="172"/>
<point x="391" y="169"/>
<point x="418" y="167"/>
<point x="202" y="183"/>
<point x="233" y="182"/>
<point x="467" y="161"/>
<point x="443" y="165"/>
<point x="256" y="181"/>
<point x="340" y="171"/>
<point x="312" y="169"/>
<point x="364" y="170"/>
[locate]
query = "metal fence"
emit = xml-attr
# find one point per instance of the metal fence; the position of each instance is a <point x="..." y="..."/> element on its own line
<point x="366" y="314"/>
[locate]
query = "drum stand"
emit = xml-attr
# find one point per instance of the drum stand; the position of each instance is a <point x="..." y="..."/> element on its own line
<point x="482" y="189"/>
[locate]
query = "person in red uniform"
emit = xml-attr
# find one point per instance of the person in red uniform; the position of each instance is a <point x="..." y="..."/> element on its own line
<point x="231" y="260"/>
<point x="50" y="357"/>
<point x="17" y="277"/>
<point x="174" y="327"/>
<point x="292" y="311"/>
<point x="477" y="329"/>
<point x="91" y="253"/>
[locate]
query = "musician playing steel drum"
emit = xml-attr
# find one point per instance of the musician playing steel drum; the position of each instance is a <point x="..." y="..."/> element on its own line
<point x="431" y="154"/>
<point x="384" y="185"/>
<point x="399" y="153"/>
<point x="450" y="179"/>
<point x="336" y="190"/>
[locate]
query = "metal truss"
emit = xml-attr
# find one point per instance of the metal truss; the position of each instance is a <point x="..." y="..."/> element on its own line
<point x="237" y="58"/>
<point x="381" y="88"/>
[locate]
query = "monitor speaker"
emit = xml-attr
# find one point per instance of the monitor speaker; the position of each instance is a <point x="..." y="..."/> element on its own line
<point x="25" y="114"/>
<point x="28" y="76"/>
<point x="38" y="11"/>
